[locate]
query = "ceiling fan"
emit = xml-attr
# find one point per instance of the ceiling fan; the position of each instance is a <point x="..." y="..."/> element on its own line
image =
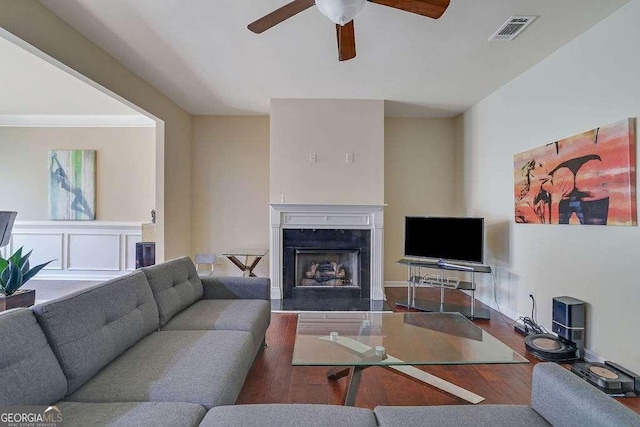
<point x="342" y="13"/>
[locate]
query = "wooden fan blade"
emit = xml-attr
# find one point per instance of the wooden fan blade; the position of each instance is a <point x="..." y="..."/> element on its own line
<point x="430" y="8"/>
<point x="279" y="15"/>
<point x="346" y="41"/>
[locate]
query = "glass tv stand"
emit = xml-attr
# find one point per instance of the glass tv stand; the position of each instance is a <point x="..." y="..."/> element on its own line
<point x="415" y="279"/>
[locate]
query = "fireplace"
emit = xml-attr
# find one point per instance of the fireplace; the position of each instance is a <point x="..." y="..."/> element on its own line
<point x="340" y="234"/>
<point x="326" y="263"/>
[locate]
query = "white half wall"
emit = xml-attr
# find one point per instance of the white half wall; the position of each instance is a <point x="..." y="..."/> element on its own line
<point x="589" y="82"/>
<point x="80" y="250"/>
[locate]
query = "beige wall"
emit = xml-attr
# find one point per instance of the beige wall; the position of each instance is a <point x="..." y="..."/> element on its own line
<point x="231" y="180"/>
<point x="125" y="169"/>
<point x="587" y="83"/>
<point x="35" y="24"/>
<point x="330" y="129"/>
<point x="231" y="186"/>
<point x="418" y="180"/>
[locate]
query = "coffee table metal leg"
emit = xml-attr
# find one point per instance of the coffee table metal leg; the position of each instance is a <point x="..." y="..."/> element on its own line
<point x="409" y="371"/>
<point x="354" y="383"/>
<point x="436" y="382"/>
<point x="354" y="373"/>
<point x="338" y="372"/>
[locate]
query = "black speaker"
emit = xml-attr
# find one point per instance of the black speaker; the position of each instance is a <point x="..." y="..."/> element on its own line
<point x="145" y="254"/>
<point x="569" y="321"/>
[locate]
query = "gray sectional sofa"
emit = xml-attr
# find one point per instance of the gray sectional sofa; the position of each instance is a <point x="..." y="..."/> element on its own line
<point x="558" y="398"/>
<point x="159" y="346"/>
<point x="164" y="347"/>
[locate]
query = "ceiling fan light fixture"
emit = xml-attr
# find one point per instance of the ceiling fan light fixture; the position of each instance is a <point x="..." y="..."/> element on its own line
<point x="340" y="11"/>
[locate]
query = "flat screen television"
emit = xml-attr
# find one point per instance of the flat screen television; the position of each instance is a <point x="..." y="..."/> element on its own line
<point x="445" y="238"/>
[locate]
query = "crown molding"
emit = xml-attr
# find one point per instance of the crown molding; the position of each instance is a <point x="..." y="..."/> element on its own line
<point x="75" y="120"/>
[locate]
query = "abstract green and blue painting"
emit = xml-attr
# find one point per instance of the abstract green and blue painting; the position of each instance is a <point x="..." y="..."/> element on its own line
<point x="72" y="184"/>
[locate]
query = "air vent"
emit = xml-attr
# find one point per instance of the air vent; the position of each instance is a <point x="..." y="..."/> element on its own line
<point x="512" y="27"/>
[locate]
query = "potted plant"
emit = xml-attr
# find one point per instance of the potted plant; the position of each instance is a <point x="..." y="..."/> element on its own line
<point x="15" y="271"/>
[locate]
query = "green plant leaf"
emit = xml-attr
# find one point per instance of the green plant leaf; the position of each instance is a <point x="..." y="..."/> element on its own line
<point x="25" y="267"/>
<point x="35" y="271"/>
<point x="16" y="257"/>
<point x="15" y="279"/>
<point x="4" y="275"/>
<point x="25" y="258"/>
<point x="16" y="271"/>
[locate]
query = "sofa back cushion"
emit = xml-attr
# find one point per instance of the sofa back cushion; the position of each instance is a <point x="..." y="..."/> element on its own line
<point x="175" y="285"/>
<point x="90" y="328"/>
<point x="29" y="372"/>
<point x="564" y="399"/>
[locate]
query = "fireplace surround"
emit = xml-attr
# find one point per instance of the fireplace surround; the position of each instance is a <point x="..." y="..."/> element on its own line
<point x="362" y="223"/>
<point x="326" y="263"/>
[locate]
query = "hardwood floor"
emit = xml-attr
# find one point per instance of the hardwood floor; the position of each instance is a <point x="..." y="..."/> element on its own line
<point x="273" y="379"/>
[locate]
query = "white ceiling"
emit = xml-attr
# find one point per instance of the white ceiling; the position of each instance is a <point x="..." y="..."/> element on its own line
<point x="201" y="55"/>
<point x="32" y="86"/>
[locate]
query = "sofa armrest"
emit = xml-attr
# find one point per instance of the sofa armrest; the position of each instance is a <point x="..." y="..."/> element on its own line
<point x="232" y="287"/>
<point x="564" y="399"/>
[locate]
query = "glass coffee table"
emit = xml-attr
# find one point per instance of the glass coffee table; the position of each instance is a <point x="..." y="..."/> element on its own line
<point x="350" y="342"/>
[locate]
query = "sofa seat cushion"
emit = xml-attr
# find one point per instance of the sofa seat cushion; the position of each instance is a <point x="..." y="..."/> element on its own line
<point x="29" y="371"/>
<point x="175" y="285"/>
<point x="238" y="315"/>
<point x="126" y="414"/>
<point x="289" y="415"/>
<point x="203" y="367"/>
<point x="90" y="328"/>
<point x="459" y="416"/>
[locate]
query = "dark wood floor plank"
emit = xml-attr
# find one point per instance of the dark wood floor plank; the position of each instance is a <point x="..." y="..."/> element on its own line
<point x="273" y="379"/>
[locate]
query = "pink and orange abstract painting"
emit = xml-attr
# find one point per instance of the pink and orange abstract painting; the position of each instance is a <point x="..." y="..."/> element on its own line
<point x="589" y="179"/>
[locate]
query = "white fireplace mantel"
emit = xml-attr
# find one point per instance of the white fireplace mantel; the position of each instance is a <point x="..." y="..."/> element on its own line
<point x="329" y="216"/>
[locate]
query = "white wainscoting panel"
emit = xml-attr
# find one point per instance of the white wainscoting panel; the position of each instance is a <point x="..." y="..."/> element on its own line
<point x="97" y="252"/>
<point x="50" y="247"/>
<point x="82" y="250"/>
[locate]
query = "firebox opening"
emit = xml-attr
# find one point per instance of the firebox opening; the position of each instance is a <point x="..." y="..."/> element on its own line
<point x="348" y="249"/>
<point x="327" y="268"/>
